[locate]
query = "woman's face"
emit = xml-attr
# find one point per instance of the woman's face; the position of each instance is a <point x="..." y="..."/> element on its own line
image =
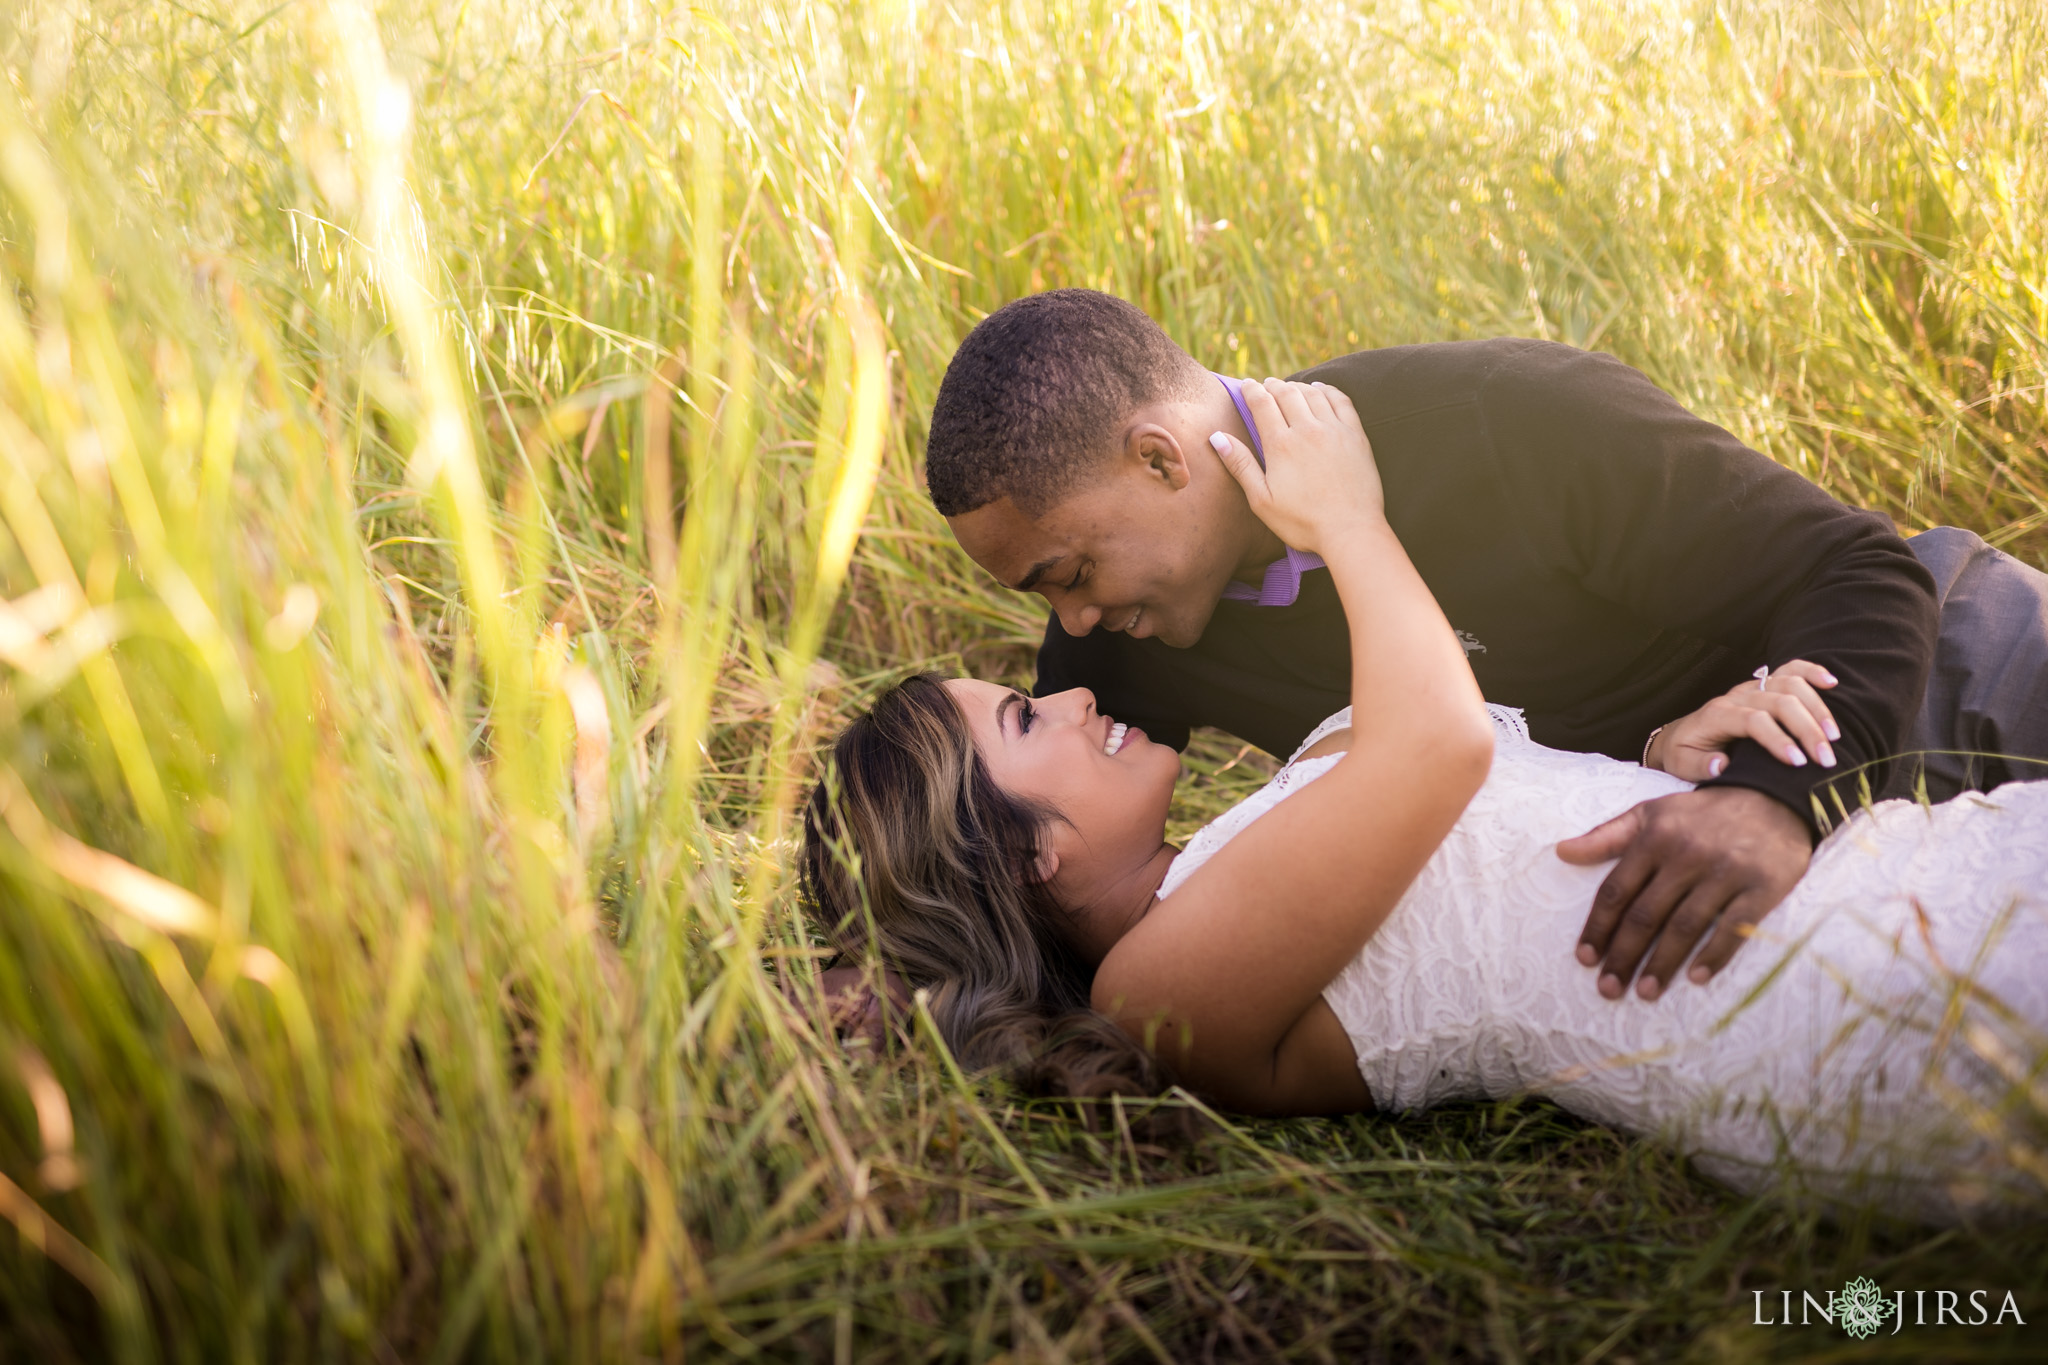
<point x="1112" y="785"/>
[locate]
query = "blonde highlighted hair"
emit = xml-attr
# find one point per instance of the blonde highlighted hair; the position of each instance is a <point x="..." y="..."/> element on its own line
<point x="914" y="857"/>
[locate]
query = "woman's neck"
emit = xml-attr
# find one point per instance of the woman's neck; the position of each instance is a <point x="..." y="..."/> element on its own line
<point x="1114" y="909"/>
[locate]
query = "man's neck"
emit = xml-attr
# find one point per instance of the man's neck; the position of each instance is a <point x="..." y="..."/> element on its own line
<point x="1262" y="547"/>
<point x="1258" y="546"/>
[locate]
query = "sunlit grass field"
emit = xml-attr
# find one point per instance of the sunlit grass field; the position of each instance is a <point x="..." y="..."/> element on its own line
<point x="458" y="462"/>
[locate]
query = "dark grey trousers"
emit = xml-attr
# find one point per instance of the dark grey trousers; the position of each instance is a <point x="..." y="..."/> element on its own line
<point x="1984" y="720"/>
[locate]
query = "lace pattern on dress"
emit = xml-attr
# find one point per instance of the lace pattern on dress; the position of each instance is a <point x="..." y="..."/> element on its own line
<point x="1298" y="773"/>
<point x="1818" y="1058"/>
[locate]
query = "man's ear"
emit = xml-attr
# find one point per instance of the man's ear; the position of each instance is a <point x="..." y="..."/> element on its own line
<point x="1156" y="448"/>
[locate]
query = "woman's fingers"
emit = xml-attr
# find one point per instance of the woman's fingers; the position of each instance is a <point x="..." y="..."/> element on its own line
<point x="1264" y="407"/>
<point x="1696" y="759"/>
<point x="1340" y="403"/>
<point x="1237" y="457"/>
<point x="1763" y="727"/>
<point x="1694" y="748"/>
<point x="1801" y="689"/>
<point x="1806" y="669"/>
<point x="1799" y="679"/>
<point x="1319" y="477"/>
<point x="1288" y="395"/>
<point x="1792" y="719"/>
<point x="1318" y="398"/>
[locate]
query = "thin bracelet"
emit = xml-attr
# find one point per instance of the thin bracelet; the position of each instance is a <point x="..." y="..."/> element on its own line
<point x="1646" y="748"/>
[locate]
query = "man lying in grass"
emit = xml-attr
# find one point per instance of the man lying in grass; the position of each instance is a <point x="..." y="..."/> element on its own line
<point x="1387" y="924"/>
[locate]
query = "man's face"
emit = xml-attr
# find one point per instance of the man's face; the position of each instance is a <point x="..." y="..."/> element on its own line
<point x="1147" y="547"/>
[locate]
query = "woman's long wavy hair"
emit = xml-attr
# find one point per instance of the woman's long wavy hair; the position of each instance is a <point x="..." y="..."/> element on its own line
<point x="912" y="854"/>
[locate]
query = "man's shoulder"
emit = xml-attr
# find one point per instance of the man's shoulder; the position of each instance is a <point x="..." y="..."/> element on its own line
<point x="1389" y="383"/>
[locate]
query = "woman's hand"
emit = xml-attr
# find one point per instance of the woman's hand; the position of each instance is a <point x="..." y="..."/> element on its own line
<point x="855" y="1010"/>
<point x="1320" y="480"/>
<point x="1785" y="715"/>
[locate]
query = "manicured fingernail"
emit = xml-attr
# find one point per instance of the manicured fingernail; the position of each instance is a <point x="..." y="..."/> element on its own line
<point x="1829" y="679"/>
<point x="1219" y="442"/>
<point x="1716" y="764"/>
<point x="1832" y="730"/>
<point x="1610" y="986"/>
<point x="1794" y="757"/>
<point x="1589" y="956"/>
<point x="1700" y="974"/>
<point x="1827" y="757"/>
<point x="1649" y="988"/>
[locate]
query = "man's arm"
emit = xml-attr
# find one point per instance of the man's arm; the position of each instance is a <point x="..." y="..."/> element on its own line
<point x="1667" y="514"/>
<point x="1671" y="516"/>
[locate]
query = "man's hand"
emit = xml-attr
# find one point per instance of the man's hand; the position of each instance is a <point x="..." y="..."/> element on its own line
<point x="1725" y="855"/>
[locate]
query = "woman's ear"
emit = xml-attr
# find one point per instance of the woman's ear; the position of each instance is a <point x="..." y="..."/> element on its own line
<point x="1044" y="867"/>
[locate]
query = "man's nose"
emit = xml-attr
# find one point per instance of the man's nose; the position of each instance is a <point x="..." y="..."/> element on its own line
<point x="1077" y="618"/>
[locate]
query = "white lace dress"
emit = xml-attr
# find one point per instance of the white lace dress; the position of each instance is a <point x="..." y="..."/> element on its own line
<point x="1859" y="1047"/>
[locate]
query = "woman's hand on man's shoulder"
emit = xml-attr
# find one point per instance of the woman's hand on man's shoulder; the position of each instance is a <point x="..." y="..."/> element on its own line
<point x="1319" y="481"/>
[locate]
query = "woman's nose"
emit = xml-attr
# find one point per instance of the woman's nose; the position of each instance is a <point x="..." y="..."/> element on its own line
<point x="1076" y="703"/>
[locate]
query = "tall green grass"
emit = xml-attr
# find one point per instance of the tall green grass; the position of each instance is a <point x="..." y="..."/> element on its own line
<point x="458" y="461"/>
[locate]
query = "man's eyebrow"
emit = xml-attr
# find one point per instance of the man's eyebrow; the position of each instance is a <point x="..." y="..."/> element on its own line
<point x="1037" y="571"/>
<point x="1004" y="707"/>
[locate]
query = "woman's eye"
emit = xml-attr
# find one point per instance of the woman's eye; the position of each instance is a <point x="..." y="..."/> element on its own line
<point x="1029" y="714"/>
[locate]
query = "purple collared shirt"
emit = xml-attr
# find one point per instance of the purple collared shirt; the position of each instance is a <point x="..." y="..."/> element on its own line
<point x="1283" y="576"/>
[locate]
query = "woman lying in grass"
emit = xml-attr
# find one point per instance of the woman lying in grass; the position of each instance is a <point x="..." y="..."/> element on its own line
<point x="1386" y="925"/>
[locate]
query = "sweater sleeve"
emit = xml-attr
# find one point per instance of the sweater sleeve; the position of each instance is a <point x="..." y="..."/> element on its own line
<point x="1673" y="518"/>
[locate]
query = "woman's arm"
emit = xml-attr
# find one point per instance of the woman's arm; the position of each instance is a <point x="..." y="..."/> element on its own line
<point x="1221" y="978"/>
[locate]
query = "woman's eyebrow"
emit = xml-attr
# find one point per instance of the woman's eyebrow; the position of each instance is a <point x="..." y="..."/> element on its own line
<point x="1004" y="707"/>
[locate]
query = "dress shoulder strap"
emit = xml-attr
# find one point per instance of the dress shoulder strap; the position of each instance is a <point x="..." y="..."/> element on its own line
<point x="1506" y="719"/>
<point x="1339" y="721"/>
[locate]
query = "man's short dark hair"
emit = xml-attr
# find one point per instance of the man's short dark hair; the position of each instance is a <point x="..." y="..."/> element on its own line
<point x="1036" y="391"/>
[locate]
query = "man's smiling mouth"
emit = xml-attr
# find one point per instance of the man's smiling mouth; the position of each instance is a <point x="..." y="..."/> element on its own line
<point x="1130" y="625"/>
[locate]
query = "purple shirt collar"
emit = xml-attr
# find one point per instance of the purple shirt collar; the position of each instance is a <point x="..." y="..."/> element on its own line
<point x="1283" y="576"/>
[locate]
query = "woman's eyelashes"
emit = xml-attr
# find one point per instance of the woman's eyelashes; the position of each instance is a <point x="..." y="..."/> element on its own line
<point x="1025" y="715"/>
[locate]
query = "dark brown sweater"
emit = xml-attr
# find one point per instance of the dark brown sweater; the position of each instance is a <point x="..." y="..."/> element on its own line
<point x="1611" y="560"/>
